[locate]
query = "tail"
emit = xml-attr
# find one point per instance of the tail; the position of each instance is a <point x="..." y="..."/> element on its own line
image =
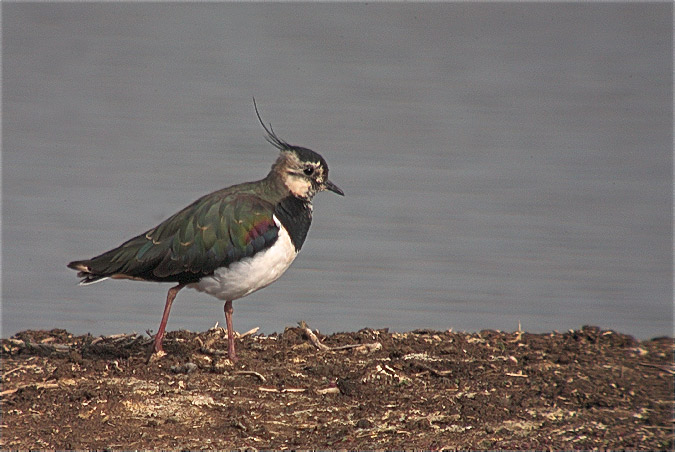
<point x="84" y="272"/>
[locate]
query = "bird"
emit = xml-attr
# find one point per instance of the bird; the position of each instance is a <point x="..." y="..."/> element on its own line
<point x="229" y="243"/>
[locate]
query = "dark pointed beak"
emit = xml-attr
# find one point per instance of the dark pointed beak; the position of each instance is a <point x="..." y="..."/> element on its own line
<point x="328" y="185"/>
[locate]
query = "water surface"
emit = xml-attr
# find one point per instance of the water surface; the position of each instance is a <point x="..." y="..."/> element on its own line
<point x="502" y="163"/>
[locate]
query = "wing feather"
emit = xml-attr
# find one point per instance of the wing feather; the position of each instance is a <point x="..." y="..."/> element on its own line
<point x="213" y="232"/>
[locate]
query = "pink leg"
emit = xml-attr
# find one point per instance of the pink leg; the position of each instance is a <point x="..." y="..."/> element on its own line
<point x="230" y="331"/>
<point x="159" y="337"/>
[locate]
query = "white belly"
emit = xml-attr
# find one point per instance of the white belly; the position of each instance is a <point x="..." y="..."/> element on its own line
<point x="251" y="273"/>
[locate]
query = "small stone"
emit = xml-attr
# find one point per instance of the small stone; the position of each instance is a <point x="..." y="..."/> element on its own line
<point x="364" y="423"/>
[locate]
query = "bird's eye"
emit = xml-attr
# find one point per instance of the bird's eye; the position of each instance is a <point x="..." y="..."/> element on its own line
<point x="308" y="170"/>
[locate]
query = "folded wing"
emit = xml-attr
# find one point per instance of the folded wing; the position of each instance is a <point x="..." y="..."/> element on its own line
<point x="215" y="231"/>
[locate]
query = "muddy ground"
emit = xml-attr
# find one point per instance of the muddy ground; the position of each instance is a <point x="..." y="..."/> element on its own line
<point x="372" y="389"/>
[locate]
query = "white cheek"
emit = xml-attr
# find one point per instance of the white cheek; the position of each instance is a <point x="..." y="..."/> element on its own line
<point x="299" y="186"/>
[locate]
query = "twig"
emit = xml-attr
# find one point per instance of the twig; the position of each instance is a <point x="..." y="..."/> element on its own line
<point x="669" y="370"/>
<point x="112" y="337"/>
<point x="251" y="372"/>
<point x="347" y="347"/>
<point x="519" y="374"/>
<point x="312" y="337"/>
<point x="330" y="390"/>
<point x="266" y="389"/>
<point x="364" y="348"/>
<point x="212" y="351"/>
<point x="37" y="386"/>
<point x="6" y="374"/>
<point x="46" y="348"/>
<point x="250" y="332"/>
<point x="435" y="372"/>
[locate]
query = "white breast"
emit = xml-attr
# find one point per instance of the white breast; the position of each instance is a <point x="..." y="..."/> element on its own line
<point x="251" y="273"/>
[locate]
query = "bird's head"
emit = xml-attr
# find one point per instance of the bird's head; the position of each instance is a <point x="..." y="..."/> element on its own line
<point x="303" y="171"/>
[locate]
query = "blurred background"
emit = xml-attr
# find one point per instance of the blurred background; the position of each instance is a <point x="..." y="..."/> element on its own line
<point x="502" y="163"/>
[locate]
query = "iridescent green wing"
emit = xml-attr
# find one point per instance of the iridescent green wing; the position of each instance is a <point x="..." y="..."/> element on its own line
<point x="215" y="231"/>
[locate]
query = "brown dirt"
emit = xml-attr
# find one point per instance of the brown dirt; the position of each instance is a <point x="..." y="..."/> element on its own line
<point x="585" y="389"/>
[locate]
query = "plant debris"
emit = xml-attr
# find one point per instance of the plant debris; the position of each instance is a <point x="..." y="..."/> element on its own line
<point x="371" y="389"/>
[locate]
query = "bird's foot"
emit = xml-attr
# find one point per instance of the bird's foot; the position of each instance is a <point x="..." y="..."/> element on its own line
<point x="154" y="355"/>
<point x="233" y="357"/>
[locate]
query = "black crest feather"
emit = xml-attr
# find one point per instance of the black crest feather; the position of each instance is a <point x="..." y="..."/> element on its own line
<point x="304" y="154"/>
<point x="272" y="137"/>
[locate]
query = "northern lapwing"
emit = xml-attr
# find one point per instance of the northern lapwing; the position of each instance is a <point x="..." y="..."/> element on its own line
<point x="229" y="243"/>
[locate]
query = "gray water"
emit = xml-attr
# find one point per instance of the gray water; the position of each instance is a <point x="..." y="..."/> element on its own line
<point x="502" y="163"/>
